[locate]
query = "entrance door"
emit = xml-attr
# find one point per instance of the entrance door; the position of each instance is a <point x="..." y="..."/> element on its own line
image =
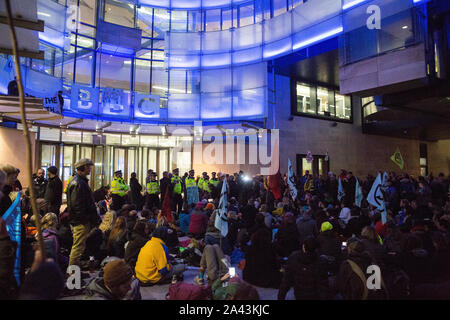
<point x="317" y="166"/>
<point x="49" y="156"/>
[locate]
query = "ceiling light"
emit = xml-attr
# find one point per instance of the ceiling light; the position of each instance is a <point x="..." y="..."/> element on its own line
<point x="405" y="27"/>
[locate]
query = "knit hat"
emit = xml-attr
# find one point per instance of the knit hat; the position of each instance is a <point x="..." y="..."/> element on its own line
<point x="326" y="226"/>
<point x="210" y="206"/>
<point x="199" y="205"/>
<point x="116" y="273"/>
<point x="52" y="170"/>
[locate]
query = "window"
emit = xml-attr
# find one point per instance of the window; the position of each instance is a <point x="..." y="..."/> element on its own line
<point x="319" y="165"/>
<point x="121" y="14"/>
<point x="321" y="102"/>
<point x="423" y="161"/>
<point x="212" y="20"/>
<point x="194" y="21"/>
<point x="304" y="99"/>
<point x="144" y="20"/>
<point x="343" y="107"/>
<point x="246" y="15"/>
<point x="227" y="19"/>
<point x="179" y="21"/>
<point x="324" y="101"/>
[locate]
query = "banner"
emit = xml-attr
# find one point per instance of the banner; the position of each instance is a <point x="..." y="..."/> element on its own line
<point x="13" y="220"/>
<point x="398" y="159"/>
<point x="358" y="194"/>
<point x="192" y="195"/>
<point x="291" y="182"/>
<point x="221" y="222"/>
<point x="341" y="192"/>
<point x="52" y="104"/>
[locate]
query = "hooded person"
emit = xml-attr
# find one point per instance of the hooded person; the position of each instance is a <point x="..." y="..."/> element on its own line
<point x="153" y="263"/>
<point x="117" y="283"/>
<point x="198" y="221"/>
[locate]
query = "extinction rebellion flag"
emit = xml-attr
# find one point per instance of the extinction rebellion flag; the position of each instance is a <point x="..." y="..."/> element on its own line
<point x="398" y="159"/>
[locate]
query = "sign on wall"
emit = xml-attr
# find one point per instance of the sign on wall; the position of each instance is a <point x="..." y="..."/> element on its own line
<point x="146" y="106"/>
<point x="84" y="99"/>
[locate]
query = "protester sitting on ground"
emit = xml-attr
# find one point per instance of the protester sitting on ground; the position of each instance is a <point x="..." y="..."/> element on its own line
<point x="117" y="283"/>
<point x="8" y="284"/>
<point x="213" y="236"/>
<point x="44" y="281"/>
<point x="198" y="222"/>
<point x="261" y="266"/>
<point x="184" y="221"/>
<point x="373" y="245"/>
<point x="306" y="274"/>
<point x="287" y="238"/>
<point x="115" y="245"/>
<point x="172" y="241"/>
<point x="226" y="288"/>
<point x="138" y="239"/>
<point x="214" y="261"/>
<point x="107" y="223"/>
<point x="329" y="244"/>
<point x="352" y="280"/>
<point x="306" y="226"/>
<point x="153" y="264"/>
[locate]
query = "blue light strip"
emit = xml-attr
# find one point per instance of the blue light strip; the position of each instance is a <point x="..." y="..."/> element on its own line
<point x="352" y="4"/>
<point x="317" y="38"/>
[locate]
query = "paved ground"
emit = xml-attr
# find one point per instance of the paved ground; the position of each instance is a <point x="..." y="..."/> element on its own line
<point x="159" y="292"/>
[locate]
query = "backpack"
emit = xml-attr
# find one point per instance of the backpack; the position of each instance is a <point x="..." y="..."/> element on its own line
<point x="191" y="256"/>
<point x="187" y="291"/>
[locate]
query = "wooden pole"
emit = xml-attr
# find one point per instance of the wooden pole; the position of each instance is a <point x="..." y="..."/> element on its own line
<point x="25" y="128"/>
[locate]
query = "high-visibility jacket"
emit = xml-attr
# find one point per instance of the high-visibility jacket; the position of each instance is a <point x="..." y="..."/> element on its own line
<point x="67" y="184"/>
<point x="206" y="185"/>
<point x="177" y="187"/>
<point x="190" y="182"/>
<point x="153" y="187"/>
<point x="214" y="182"/>
<point x="201" y="183"/>
<point x="118" y="186"/>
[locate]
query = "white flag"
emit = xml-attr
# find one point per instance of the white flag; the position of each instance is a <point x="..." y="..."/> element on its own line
<point x="291" y="182"/>
<point x="375" y="196"/>
<point x="221" y="221"/>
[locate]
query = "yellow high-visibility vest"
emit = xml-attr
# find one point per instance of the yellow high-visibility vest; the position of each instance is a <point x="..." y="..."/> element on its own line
<point x="67" y="184"/>
<point x="118" y="186"/>
<point x="190" y="182"/>
<point x="200" y="183"/>
<point x="206" y="185"/>
<point x="214" y="182"/>
<point x="153" y="187"/>
<point x="177" y="188"/>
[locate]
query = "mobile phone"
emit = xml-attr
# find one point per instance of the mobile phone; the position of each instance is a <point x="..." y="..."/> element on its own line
<point x="232" y="272"/>
<point x="344" y="245"/>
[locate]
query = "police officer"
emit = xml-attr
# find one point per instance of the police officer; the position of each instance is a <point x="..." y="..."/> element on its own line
<point x="214" y="182"/>
<point x="153" y="191"/>
<point x="177" y="199"/>
<point x="118" y="191"/>
<point x="206" y="187"/>
<point x="190" y="182"/>
<point x="201" y="181"/>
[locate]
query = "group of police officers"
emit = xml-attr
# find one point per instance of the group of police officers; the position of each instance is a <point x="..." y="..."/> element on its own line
<point x="155" y="190"/>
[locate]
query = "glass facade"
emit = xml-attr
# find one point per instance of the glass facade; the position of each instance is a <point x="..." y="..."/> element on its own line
<point x="118" y="151"/>
<point x="321" y="102"/>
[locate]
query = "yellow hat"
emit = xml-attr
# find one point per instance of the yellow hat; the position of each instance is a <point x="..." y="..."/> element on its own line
<point x="326" y="226"/>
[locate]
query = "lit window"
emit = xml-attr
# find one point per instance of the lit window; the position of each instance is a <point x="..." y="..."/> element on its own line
<point x="304" y="99"/>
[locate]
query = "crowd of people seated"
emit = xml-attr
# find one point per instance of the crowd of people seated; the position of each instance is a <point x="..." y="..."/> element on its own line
<point x="319" y="246"/>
